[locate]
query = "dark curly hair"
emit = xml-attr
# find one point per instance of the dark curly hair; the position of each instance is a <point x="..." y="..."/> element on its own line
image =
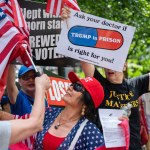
<point x="91" y="112"/>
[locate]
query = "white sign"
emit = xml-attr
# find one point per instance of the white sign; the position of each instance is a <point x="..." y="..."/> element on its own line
<point x="95" y="40"/>
<point x="113" y="134"/>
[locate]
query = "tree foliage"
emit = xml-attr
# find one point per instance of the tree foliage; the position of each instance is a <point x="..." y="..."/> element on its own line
<point x="131" y="12"/>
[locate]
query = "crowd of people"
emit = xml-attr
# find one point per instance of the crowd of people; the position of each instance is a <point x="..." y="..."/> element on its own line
<point x="77" y="125"/>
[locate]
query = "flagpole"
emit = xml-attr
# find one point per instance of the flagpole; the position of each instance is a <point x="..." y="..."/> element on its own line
<point x="67" y="23"/>
<point x="33" y="63"/>
<point x="37" y="72"/>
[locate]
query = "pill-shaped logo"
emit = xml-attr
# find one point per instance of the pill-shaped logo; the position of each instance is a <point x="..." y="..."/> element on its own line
<point x="95" y="37"/>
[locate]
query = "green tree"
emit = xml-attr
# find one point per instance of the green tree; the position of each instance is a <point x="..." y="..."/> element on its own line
<point x="131" y="12"/>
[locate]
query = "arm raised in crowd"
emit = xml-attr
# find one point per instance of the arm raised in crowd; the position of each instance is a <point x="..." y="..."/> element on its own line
<point x="88" y="69"/>
<point x="34" y="124"/>
<point x="12" y="89"/>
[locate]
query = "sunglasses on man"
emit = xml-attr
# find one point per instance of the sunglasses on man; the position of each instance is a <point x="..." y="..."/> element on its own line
<point x="27" y="77"/>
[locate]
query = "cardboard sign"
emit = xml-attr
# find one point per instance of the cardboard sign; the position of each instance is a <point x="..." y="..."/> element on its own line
<point x="44" y="34"/>
<point x="57" y="91"/>
<point x="95" y="40"/>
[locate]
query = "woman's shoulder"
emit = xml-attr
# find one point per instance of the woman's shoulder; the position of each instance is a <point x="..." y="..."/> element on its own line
<point x="91" y="133"/>
<point x="92" y="128"/>
<point x="91" y="125"/>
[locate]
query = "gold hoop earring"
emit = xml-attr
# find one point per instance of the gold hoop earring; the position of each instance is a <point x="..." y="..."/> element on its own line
<point x="83" y="110"/>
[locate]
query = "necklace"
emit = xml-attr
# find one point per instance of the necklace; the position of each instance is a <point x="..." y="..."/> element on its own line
<point x="68" y="121"/>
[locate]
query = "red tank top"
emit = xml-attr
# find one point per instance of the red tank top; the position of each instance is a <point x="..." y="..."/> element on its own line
<point x="51" y="142"/>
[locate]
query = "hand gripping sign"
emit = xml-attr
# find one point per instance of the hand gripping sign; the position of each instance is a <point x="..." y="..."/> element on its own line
<point x="95" y="40"/>
<point x="93" y="37"/>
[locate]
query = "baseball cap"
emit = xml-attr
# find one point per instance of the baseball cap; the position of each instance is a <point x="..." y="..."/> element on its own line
<point x="91" y="85"/>
<point x="24" y="70"/>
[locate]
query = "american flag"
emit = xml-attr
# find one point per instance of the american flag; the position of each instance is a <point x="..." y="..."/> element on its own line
<point x="30" y="140"/>
<point x="11" y="47"/>
<point x="54" y="6"/>
<point x="15" y="15"/>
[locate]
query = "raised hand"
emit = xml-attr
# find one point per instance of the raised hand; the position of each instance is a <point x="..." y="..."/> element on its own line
<point x="65" y="13"/>
<point x="43" y="82"/>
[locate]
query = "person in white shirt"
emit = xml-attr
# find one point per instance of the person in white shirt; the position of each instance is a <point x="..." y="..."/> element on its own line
<point x="14" y="131"/>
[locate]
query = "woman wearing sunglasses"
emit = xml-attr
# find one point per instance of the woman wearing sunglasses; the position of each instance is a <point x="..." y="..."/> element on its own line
<point x="71" y="128"/>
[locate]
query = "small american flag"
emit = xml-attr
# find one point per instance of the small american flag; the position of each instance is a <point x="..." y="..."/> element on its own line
<point x="11" y="47"/>
<point x="15" y="15"/>
<point x="54" y="6"/>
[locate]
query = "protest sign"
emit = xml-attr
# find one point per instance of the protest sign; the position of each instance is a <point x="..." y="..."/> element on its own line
<point x="57" y="91"/>
<point x="44" y="34"/>
<point x="95" y="40"/>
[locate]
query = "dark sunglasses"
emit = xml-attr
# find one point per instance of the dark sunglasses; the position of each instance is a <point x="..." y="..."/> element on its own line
<point x="77" y="87"/>
<point x="26" y="78"/>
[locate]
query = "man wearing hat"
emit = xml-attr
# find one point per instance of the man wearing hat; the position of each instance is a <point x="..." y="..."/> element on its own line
<point x="21" y="100"/>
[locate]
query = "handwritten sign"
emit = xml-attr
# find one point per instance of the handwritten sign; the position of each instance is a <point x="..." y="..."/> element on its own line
<point x="95" y="40"/>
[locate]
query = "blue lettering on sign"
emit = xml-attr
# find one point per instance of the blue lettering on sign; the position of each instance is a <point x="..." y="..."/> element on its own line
<point x="83" y="36"/>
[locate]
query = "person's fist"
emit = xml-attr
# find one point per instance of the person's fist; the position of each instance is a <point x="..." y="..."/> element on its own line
<point x="65" y="12"/>
<point x="43" y="82"/>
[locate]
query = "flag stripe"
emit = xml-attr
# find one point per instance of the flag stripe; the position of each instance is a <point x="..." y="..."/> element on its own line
<point x="4" y="63"/>
<point x="2" y="5"/>
<point x="59" y="7"/>
<point x="8" y="7"/>
<point x="19" y="19"/>
<point x="52" y="3"/>
<point x="16" y="13"/>
<point x="13" y="10"/>
<point x="12" y="36"/>
<point x="2" y="23"/>
<point x="3" y="81"/>
<point x="30" y="140"/>
<point x="7" y="32"/>
<point x="11" y="44"/>
<point x="73" y="4"/>
<point x="48" y="6"/>
<point x="9" y="37"/>
<point x="8" y="10"/>
<point x="54" y="6"/>
<point x="18" y="16"/>
<point x="24" y="31"/>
